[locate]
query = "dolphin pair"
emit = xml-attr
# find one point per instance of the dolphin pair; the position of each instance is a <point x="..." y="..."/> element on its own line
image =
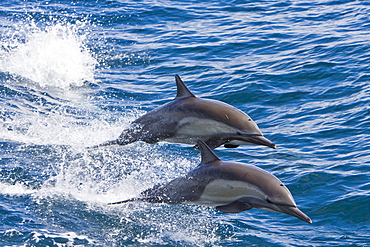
<point x="187" y="119"/>
<point x="231" y="187"/>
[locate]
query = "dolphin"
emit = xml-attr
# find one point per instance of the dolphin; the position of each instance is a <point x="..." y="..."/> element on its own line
<point x="188" y="118"/>
<point x="231" y="187"/>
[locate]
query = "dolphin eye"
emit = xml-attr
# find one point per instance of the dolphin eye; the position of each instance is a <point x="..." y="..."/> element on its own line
<point x="268" y="200"/>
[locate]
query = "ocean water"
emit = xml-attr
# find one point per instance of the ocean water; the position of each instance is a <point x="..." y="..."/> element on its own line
<point x="75" y="73"/>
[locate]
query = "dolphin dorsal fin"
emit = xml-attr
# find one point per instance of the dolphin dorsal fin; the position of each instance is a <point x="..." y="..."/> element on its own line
<point x="208" y="156"/>
<point x="182" y="90"/>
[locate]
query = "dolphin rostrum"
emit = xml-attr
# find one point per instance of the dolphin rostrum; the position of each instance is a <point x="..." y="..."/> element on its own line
<point x="231" y="187"/>
<point x="187" y="119"/>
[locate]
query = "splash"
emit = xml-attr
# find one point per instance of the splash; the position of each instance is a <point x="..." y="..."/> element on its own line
<point x="51" y="56"/>
<point x="17" y="189"/>
<point x="42" y="65"/>
<point x="54" y="129"/>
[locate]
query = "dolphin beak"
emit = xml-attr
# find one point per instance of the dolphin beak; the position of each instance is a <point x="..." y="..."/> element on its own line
<point x="294" y="211"/>
<point x="258" y="140"/>
<point x="261" y="140"/>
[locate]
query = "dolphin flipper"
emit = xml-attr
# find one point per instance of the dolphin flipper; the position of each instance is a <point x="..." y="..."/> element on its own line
<point x="230" y="146"/>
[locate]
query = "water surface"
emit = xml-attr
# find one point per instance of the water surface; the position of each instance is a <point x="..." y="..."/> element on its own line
<point x="76" y="73"/>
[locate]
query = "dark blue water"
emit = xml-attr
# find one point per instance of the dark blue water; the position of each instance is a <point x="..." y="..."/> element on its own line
<point x="76" y="73"/>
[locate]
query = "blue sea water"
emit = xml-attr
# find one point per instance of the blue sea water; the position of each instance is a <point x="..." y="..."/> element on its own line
<point x="75" y="73"/>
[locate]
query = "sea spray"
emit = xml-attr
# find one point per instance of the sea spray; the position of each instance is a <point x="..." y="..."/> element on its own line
<point x="49" y="121"/>
<point x="56" y="55"/>
<point x="45" y="65"/>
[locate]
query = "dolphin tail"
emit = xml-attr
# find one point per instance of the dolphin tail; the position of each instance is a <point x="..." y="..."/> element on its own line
<point x="121" y="202"/>
<point x="128" y="136"/>
<point x="114" y="142"/>
<point x="108" y="143"/>
<point x="152" y="199"/>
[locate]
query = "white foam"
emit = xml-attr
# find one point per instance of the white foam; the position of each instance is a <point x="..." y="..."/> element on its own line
<point x="58" y="129"/>
<point x="52" y="56"/>
<point x="15" y="189"/>
<point x="42" y="234"/>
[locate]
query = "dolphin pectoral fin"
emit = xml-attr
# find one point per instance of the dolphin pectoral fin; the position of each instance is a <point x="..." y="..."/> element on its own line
<point x="234" y="207"/>
<point x="230" y="146"/>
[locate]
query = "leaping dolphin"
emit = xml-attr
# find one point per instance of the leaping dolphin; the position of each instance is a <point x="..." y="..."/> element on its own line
<point x="231" y="187"/>
<point x="187" y="119"/>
